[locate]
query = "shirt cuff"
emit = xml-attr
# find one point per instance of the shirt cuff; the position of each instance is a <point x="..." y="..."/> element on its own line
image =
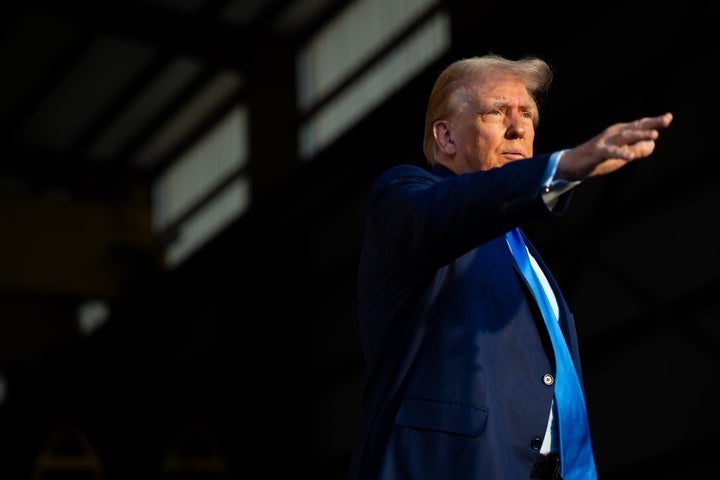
<point x="552" y="188"/>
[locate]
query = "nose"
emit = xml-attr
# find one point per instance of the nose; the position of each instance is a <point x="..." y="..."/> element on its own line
<point x="516" y="125"/>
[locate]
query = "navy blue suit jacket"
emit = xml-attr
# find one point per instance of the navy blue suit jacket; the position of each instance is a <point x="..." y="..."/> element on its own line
<point x="455" y="346"/>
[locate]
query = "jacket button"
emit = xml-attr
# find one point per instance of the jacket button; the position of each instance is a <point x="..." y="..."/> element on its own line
<point x="548" y="379"/>
<point x="536" y="443"/>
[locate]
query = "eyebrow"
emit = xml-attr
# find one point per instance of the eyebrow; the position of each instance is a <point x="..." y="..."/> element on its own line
<point x="529" y="106"/>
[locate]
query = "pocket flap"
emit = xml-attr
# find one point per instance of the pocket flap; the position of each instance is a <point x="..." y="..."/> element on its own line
<point x="444" y="416"/>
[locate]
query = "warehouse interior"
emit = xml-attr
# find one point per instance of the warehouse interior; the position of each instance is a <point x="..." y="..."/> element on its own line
<point x="183" y="185"/>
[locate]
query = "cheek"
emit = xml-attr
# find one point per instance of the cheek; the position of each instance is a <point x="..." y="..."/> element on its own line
<point x="529" y="140"/>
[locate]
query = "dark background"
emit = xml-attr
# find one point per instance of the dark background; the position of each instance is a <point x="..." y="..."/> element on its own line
<point x="245" y="360"/>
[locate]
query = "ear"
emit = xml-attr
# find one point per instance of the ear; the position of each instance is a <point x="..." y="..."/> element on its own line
<point x="442" y="131"/>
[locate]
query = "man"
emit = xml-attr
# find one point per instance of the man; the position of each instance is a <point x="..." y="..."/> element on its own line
<point x="461" y="367"/>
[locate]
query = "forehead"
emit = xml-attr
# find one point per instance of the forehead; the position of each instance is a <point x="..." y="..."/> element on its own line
<point x="499" y="87"/>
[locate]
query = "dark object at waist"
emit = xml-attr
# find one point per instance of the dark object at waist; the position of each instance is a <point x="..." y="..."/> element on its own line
<point x="547" y="467"/>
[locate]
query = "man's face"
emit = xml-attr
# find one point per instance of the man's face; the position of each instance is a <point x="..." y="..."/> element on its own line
<point x="492" y="125"/>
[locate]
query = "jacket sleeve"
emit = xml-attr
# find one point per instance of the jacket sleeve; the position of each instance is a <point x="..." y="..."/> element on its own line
<point x="421" y="220"/>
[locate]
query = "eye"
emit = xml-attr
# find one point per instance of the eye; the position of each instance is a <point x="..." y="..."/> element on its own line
<point x="527" y="115"/>
<point x="492" y="115"/>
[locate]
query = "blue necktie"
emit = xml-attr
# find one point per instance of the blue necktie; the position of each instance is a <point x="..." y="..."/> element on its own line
<point x="576" y="457"/>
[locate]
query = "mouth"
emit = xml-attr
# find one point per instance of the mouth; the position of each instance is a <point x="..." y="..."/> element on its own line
<point x="513" y="155"/>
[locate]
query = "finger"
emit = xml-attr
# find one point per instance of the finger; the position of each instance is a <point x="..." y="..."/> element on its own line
<point x="642" y="149"/>
<point x="629" y="136"/>
<point x="618" y="152"/>
<point x="661" y="121"/>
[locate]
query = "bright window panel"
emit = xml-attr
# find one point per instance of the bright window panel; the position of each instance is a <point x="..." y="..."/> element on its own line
<point x="422" y="48"/>
<point x="213" y="159"/>
<point x="208" y="221"/>
<point x="358" y="33"/>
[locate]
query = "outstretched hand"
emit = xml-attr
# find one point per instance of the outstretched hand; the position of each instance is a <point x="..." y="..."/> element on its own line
<point x="612" y="149"/>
